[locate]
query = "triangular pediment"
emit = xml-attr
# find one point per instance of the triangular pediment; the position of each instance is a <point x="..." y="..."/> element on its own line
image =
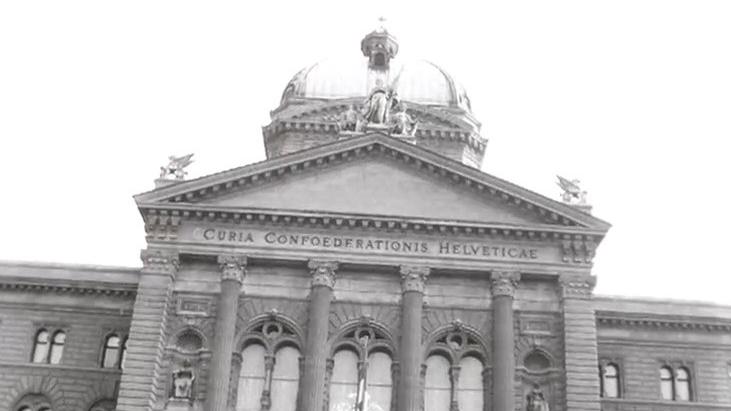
<point x="372" y="175"/>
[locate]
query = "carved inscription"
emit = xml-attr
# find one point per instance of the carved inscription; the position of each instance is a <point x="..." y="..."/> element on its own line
<point x="401" y="246"/>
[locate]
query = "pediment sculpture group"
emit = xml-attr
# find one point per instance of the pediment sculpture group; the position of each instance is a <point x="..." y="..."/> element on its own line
<point x="382" y="109"/>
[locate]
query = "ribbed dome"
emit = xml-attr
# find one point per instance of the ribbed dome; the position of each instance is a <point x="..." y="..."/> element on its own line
<point x="418" y="81"/>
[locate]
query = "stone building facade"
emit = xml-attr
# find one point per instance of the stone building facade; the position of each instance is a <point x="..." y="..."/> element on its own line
<point x="367" y="264"/>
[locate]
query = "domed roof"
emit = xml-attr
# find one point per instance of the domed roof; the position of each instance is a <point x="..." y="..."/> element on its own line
<point x="418" y="81"/>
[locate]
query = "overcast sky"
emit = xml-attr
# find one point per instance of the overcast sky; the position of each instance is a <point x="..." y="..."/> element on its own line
<point x="632" y="97"/>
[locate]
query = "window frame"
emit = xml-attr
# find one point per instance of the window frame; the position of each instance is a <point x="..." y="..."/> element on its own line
<point x="673" y="367"/>
<point x="53" y="331"/>
<point x="604" y="364"/>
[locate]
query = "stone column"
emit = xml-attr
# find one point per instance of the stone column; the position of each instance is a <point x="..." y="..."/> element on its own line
<point x="503" y="285"/>
<point x="581" y="357"/>
<point x="142" y="385"/>
<point x="315" y="356"/>
<point x="413" y="280"/>
<point x="233" y="269"/>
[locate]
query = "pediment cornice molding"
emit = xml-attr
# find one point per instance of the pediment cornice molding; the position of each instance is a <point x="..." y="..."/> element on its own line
<point x="551" y="212"/>
<point x="662" y="322"/>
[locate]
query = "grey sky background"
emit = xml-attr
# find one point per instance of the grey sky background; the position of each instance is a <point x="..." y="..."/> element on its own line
<point x="631" y="97"/>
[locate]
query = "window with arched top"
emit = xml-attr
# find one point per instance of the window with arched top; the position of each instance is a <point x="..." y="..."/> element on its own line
<point x="112" y="351"/>
<point x="269" y="375"/>
<point x="454" y="372"/>
<point x="609" y="379"/>
<point x="437" y="384"/>
<point x="666" y="383"/>
<point x="675" y="383"/>
<point x="41" y="346"/>
<point x="361" y="378"/>
<point x="682" y="384"/>
<point x="470" y="387"/>
<point x="57" y="344"/>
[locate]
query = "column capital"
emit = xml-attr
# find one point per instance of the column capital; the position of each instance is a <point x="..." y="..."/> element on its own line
<point x="159" y="261"/>
<point x="504" y="283"/>
<point x="233" y="267"/>
<point x="323" y="272"/>
<point x="576" y="285"/>
<point x="413" y="278"/>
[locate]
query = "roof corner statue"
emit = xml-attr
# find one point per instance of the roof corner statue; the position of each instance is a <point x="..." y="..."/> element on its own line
<point x="572" y="192"/>
<point x="176" y="167"/>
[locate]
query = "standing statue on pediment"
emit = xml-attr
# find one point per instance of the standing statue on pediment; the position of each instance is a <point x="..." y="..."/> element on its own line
<point x="379" y="104"/>
<point x="349" y="120"/>
<point x="403" y="123"/>
<point x="536" y="400"/>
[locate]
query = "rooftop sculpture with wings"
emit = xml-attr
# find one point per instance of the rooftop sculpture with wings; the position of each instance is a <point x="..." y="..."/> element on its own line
<point x="176" y="167"/>
<point x="572" y="192"/>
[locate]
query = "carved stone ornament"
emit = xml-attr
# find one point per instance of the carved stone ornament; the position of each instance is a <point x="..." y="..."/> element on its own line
<point x="536" y="400"/>
<point x="323" y="272"/>
<point x="176" y="167"/>
<point x="576" y="285"/>
<point x="159" y="261"/>
<point x="183" y="382"/>
<point x="504" y="283"/>
<point x="233" y="267"/>
<point x="413" y="278"/>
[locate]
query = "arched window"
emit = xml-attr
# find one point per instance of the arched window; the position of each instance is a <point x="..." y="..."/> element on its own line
<point x="610" y="381"/>
<point x="666" y="383"/>
<point x="437" y="395"/>
<point x="59" y="340"/>
<point x="40" y="346"/>
<point x="470" y="391"/>
<point x="251" y="379"/>
<point x="361" y="374"/>
<point x="111" y="354"/>
<point x="682" y="384"/>
<point x="379" y="388"/>
<point x="344" y="381"/>
<point x="285" y="379"/>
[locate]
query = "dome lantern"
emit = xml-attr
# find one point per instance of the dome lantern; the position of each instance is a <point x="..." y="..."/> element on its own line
<point x="380" y="47"/>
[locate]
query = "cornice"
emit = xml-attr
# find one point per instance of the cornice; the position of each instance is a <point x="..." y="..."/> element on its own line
<point x="162" y="222"/>
<point x="195" y="191"/>
<point x="663" y="322"/>
<point x="74" y="288"/>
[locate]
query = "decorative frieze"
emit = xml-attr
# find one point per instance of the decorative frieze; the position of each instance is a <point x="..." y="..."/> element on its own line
<point x="233" y="267"/>
<point x="578" y="249"/>
<point x="323" y="272"/>
<point x="662" y="322"/>
<point x="576" y="285"/>
<point x="413" y="278"/>
<point x="504" y="283"/>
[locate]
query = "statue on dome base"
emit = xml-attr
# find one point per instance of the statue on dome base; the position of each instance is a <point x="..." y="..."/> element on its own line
<point x="350" y="120"/>
<point x="379" y="104"/>
<point x="403" y="123"/>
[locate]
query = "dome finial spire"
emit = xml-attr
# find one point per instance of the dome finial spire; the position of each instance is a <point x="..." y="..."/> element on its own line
<point x="379" y="46"/>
